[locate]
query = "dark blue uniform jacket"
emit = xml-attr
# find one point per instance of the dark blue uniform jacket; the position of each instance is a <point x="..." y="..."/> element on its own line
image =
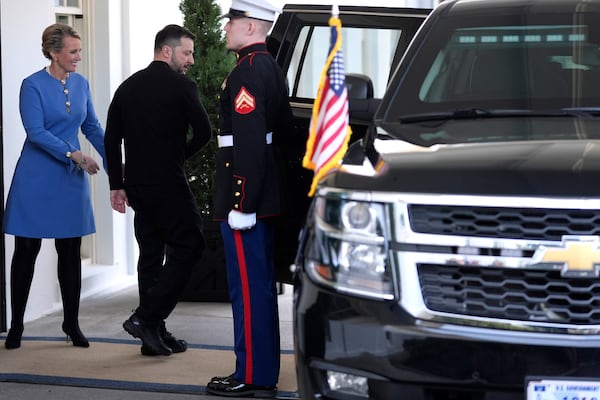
<point x="254" y="101"/>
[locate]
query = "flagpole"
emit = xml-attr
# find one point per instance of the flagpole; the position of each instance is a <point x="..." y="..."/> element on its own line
<point x="335" y="10"/>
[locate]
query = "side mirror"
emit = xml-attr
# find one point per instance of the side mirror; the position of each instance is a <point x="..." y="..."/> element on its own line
<point x="361" y="104"/>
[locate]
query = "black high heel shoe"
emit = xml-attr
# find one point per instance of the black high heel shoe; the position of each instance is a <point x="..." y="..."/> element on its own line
<point x="76" y="336"/>
<point x="13" y="339"/>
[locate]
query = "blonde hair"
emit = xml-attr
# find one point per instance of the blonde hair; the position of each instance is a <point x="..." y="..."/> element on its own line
<point x="52" y="38"/>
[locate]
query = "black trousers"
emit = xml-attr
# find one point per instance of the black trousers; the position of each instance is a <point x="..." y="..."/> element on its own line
<point x="168" y="229"/>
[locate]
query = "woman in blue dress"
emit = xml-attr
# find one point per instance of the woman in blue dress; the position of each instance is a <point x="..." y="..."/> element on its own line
<point x="49" y="195"/>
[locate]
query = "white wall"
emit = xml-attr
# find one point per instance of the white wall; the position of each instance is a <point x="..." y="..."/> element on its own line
<point x="146" y="18"/>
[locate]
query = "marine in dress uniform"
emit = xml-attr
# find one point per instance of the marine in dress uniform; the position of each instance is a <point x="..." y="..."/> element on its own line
<point x="254" y="108"/>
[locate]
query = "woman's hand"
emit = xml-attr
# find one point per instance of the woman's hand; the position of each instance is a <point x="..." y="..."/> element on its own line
<point x="85" y="162"/>
<point x="90" y="165"/>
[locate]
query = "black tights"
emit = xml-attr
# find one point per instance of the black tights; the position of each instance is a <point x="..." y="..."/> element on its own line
<point x="69" y="276"/>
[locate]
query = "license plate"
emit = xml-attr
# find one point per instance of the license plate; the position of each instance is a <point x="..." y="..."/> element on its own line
<point x="563" y="389"/>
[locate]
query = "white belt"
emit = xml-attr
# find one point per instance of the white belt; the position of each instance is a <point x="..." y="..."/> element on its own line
<point x="227" y="140"/>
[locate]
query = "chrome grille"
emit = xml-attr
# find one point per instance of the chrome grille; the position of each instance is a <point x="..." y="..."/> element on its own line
<point x="501" y="222"/>
<point x="515" y="294"/>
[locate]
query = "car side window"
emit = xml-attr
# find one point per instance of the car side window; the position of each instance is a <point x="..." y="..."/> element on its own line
<point x="368" y="52"/>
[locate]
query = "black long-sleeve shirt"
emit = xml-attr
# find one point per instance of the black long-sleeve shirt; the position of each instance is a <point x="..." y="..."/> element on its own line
<point x="151" y="113"/>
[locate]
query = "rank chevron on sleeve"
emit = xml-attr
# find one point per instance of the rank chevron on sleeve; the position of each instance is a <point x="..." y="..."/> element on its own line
<point x="244" y="102"/>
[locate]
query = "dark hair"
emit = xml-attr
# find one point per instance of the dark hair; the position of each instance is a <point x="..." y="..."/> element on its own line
<point x="52" y="38"/>
<point x="171" y="36"/>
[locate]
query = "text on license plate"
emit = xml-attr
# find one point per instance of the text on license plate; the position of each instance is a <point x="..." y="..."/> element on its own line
<point x="554" y="389"/>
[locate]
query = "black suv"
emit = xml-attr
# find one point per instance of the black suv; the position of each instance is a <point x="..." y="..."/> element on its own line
<point x="456" y="255"/>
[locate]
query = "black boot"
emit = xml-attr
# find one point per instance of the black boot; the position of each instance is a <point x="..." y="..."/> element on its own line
<point x="13" y="339"/>
<point x="69" y="278"/>
<point x="75" y="335"/>
<point x="148" y="332"/>
<point x="21" y="275"/>
<point x="176" y="345"/>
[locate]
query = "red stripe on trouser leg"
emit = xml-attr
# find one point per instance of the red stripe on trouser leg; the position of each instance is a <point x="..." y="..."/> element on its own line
<point x="239" y="244"/>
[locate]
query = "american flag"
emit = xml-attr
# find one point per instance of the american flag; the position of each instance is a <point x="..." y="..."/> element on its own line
<point x="329" y="126"/>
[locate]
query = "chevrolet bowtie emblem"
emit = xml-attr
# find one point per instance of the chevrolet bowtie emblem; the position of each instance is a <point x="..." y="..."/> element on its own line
<point x="578" y="256"/>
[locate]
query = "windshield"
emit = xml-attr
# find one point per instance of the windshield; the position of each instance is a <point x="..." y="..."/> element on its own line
<point x="503" y="77"/>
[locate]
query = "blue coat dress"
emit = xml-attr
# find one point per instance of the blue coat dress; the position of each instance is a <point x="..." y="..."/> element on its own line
<point x="49" y="196"/>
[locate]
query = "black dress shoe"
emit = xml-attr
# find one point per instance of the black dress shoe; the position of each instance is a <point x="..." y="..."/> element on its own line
<point x="221" y="379"/>
<point x="148" y="333"/>
<point x="176" y="345"/>
<point x="232" y="388"/>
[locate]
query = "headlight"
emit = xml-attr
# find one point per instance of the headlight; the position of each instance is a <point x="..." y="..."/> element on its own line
<point x="356" y="386"/>
<point x="349" y="248"/>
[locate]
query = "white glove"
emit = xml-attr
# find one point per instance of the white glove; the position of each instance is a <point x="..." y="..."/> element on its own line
<point x="241" y="221"/>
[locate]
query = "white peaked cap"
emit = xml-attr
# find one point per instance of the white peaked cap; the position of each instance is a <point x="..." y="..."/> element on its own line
<point x="257" y="9"/>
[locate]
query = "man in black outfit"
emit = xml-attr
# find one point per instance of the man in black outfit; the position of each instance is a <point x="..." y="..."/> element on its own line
<point x="150" y="114"/>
